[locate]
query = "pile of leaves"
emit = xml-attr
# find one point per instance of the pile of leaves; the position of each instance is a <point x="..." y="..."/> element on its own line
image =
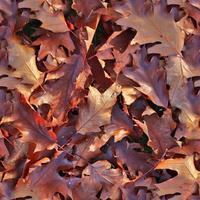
<point x="100" y="99"/>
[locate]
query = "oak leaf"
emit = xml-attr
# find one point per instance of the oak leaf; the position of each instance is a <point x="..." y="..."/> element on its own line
<point x="33" y="5"/>
<point x="54" y="22"/>
<point x="159" y="132"/>
<point x="110" y="180"/>
<point x="66" y="90"/>
<point x="45" y="181"/>
<point x="186" y="180"/>
<point x="22" y="59"/>
<point x="150" y="76"/>
<point x="149" y="29"/>
<point x="30" y="124"/>
<point x="96" y="111"/>
<point x="135" y="161"/>
<point x="177" y="72"/>
<point x="50" y="43"/>
<point x="121" y="125"/>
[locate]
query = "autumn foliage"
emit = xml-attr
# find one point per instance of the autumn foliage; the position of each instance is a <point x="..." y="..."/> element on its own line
<point x="100" y="99"/>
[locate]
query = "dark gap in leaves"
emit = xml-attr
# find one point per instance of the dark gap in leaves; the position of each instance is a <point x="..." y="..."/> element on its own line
<point x="70" y="13"/>
<point x="30" y="28"/>
<point x="175" y="114"/>
<point x="75" y="111"/>
<point x="34" y="107"/>
<point x="104" y="148"/>
<point x="74" y="149"/>
<point x="194" y="22"/>
<point x="143" y="140"/>
<point x="23" y="198"/>
<point x="149" y="56"/>
<point x="173" y="132"/>
<point x="182" y="139"/>
<point x="99" y="193"/>
<point x="61" y="197"/>
<point x="197" y="164"/>
<point x="164" y="175"/>
<point x="148" y="149"/>
<point x="62" y="173"/>
<point x="158" y="109"/>
<point x="130" y="139"/>
<point x="169" y="196"/>
<point x="3" y="76"/>
<point x="127" y="171"/>
<point x="99" y="35"/>
<point x="109" y="69"/>
<point x="168" y="87"/>
<point x="173" y="173"/>
<point x="40" y="64"/>
<point x="120" y="101"/>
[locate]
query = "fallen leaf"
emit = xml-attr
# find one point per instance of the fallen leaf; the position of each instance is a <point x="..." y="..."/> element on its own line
<point x="54" y="22"/>
<point x="159" y="132"/>
<point x="184" y="182"/>
<point x="44" y="181"/>
<point x="149" y="29"/>
<point x="50" y="43"/>
<point x="150" y="76"/>
<point x="96" y="111"/>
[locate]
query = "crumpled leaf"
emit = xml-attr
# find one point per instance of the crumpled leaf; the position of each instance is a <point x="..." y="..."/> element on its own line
<point x="99" y="99"/>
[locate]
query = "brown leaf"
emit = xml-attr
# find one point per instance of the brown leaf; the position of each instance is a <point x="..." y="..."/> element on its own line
<point x="150" y="76"/>
<point x="184" y="182"/>
<point x="66" y="91"/>
<point x="149" y="29"/>
<point x="87" y="7"/>
<point x="54" y="22"/>
<point x="110" y="180"/>
<point x="135" y="161"/>
<point x="44" y="181"/>
<point x="22" y="59"/>
<point x="30" y="124"/>
<point x="50" y="43"/>
<point x="191" y="52"/>
<point x="97" y="111"/>
<point x="159" y="132"/>
<point x="121" y="125"/>
<point x="188" y="148"/>
<point x="33" y="5"/>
